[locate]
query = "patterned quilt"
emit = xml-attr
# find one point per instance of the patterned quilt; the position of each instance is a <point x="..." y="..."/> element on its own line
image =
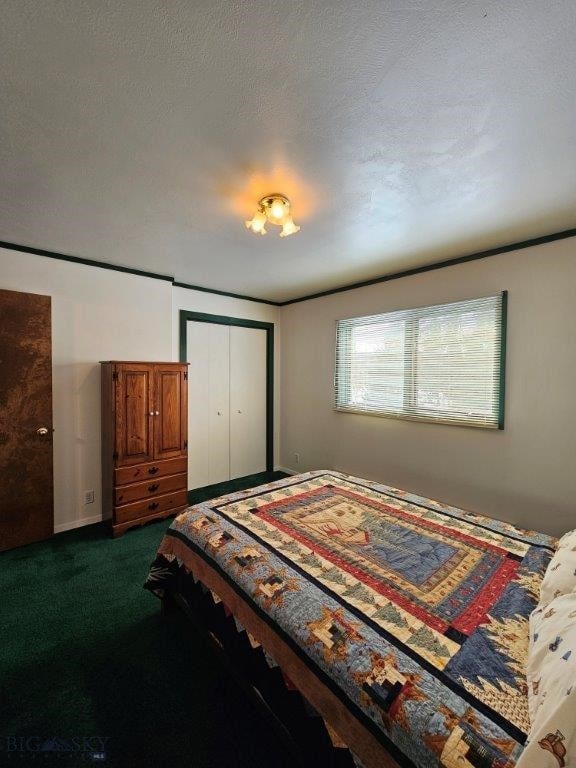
<point x="415" y="612"/>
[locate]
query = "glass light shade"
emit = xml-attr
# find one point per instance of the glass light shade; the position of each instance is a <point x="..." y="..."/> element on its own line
<point x="274" y="208"/>
<point x="257" y="223"/>
<point x="289" y="228"/>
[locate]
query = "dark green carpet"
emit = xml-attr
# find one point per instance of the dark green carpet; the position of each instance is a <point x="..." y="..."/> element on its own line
<point x="85" y="651"/>
<point x="231" y="486"/>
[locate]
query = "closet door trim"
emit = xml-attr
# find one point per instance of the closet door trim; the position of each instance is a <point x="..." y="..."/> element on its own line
<point x="202" y="317"/>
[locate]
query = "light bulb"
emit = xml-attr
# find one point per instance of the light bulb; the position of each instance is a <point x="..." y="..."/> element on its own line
<point x="289" y="228"/>
<point x="277" y="211"/>
<point x="257" y="223"/>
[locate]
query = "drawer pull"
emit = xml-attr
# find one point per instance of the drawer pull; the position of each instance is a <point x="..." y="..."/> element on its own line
<point x="152" y="470"/>
<point x="154" y="505"/>
<point x="153" y="487"/>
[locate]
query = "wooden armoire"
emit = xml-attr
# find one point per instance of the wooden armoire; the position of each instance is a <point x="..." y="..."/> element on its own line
<point x="144" y="441"/>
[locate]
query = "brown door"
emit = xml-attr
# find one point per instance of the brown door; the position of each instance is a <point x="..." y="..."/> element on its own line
<point x="170" y="410"/>
<point x="134" y="413"/>
<point x="26" y="481"/>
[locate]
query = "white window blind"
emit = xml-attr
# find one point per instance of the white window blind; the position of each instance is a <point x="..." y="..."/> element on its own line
<point x="443" y="363"/>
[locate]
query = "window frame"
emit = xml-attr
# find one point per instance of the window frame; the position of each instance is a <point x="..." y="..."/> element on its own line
<point x="408" y="412"/>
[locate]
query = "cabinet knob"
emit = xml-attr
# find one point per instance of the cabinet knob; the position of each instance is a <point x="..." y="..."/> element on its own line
<point x="152" y="470"/>
<point x="153" y="487"/>
<point x="239" y="411"/>
<point x="151" y="413"/>
<point x="154" y="505"/>
<point x="219" y="413"/>
<point x="156" y="413"/>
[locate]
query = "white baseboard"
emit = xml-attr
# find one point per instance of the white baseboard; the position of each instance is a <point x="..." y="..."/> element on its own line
<point x="98" y="518"/>
<point x="77" y="523"/>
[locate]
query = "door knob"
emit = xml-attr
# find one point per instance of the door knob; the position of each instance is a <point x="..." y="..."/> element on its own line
<point x="42" y="431"/>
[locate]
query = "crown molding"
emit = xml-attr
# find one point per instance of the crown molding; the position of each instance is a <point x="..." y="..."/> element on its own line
<point x="564" y="234"/>
<point x="201" y="288"/>
<point x="127" y="270"/>
<point x="85" y="262"/>
<point x="438" y="265"/>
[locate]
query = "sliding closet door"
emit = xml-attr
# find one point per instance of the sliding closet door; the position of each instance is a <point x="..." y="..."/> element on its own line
<point x="247" y="401"/>
<point x="208" y="404"/>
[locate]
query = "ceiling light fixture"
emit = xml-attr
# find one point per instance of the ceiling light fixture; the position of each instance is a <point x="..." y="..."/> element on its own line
<point x="273" y="209"/>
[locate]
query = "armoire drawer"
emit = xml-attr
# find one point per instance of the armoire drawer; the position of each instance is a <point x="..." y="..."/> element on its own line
<point x="141" y="472"/>
<point x="153" y="487"/>
<point x="150" y="506"/>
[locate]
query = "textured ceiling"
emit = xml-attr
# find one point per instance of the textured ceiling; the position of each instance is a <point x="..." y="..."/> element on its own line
<point x="142" y="133"/>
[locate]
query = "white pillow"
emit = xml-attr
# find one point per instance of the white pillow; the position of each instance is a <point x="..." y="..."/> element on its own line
<point x="568" y="541"/>
<point x="551" y="673"/>
<point x="560" y="576"/>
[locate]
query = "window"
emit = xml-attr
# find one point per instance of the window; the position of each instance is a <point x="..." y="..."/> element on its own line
<point x="442" y="363"/>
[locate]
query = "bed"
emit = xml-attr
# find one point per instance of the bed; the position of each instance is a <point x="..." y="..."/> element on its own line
<point x="403" y="621"/>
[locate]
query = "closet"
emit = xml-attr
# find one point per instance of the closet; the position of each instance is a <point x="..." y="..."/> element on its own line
<point x="227" y="402"/>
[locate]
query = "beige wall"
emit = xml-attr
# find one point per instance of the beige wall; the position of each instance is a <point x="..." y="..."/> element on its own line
<point x="97" y="314"/>
<point x="100" y="314"/>
<point x="525" y="474"/>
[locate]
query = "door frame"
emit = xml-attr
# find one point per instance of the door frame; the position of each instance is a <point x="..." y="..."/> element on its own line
<point x="187" y="316"/>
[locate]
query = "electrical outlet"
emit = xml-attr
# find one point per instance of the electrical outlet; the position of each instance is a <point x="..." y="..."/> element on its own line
<point x="297" y="457"/>
<point x="88" y="497"/>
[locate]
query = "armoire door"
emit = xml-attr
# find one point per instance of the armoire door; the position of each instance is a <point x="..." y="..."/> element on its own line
<point x="247" y="401"/>
<point x="134" y="413"/>
<point x="208" y="404"/>
<point x="170" y="406"/>
<point x="26" y="480"/>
